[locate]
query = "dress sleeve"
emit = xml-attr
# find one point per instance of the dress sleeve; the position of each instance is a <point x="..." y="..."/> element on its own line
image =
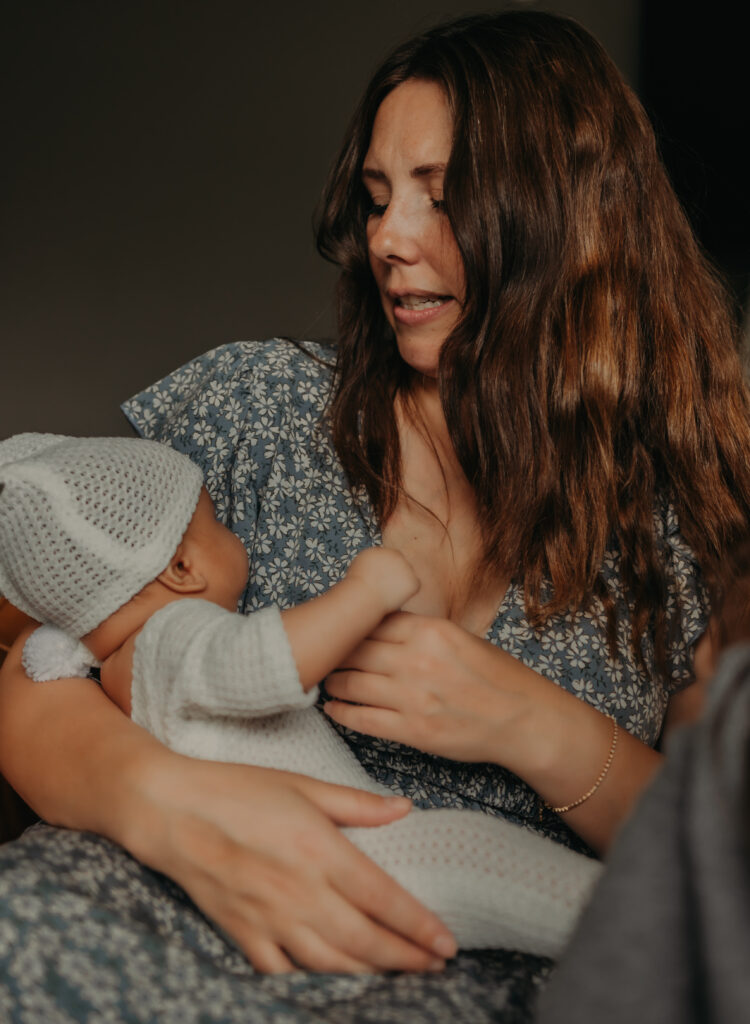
<point x="688" y="606"/>
<point x="196" y="661"/>
<point x="210" y="409"/>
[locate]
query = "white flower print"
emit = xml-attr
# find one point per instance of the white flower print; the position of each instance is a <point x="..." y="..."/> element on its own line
<point x="203" y="433"/>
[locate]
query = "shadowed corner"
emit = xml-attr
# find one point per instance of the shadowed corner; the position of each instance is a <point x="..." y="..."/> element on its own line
<point x="15" y="815"/>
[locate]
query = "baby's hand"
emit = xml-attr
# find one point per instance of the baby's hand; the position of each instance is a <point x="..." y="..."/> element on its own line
<point x="387" y="573"/>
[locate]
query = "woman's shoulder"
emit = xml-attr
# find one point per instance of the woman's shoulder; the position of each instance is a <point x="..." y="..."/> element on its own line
<point x="233" y="382"/>
<point x="278" y="357"/>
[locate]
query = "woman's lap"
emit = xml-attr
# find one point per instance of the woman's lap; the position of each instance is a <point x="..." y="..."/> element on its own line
<point x="87" y="933"/>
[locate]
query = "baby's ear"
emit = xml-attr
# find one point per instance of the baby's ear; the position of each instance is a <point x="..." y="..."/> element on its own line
<point x="182" y="574"/>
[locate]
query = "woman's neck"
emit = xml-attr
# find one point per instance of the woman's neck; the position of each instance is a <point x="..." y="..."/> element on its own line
<point x="420" y="412"/>
<point x="435" y="523"/>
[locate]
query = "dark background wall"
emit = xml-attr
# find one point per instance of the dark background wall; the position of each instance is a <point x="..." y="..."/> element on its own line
<point x="693" y="79"/>
<point x="161" y="163"/>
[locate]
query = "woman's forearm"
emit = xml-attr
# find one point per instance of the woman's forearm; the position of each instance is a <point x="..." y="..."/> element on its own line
<point x="70" y="752"/>
<point x="560" y="745"/>
<point x="562" y="751"/>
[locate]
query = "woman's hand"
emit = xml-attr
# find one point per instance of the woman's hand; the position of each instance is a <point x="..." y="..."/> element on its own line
<point x="428" y="683"/>
<point x="261" y="852"/>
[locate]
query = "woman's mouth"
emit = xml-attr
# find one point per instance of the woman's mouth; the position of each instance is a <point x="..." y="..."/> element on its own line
<point x="417" y="309"/>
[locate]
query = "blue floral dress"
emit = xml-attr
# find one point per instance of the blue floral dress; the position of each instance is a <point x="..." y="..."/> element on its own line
<point x="105" y="934"/>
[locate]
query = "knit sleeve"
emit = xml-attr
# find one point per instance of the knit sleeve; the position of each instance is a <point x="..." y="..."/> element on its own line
<point x="194" y="660"/>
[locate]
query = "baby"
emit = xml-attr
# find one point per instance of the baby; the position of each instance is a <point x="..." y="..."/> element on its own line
<point x="113" y="544"/>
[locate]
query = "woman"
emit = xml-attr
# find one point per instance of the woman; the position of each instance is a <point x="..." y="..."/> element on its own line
<point x="537" y="400"/>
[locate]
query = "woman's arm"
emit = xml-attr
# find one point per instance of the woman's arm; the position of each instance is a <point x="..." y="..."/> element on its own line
<point x="259" y="851"/>
<point x="430" y="684"/>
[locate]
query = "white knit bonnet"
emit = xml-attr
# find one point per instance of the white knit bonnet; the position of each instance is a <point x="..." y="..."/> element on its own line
<point x="87" y="522"/>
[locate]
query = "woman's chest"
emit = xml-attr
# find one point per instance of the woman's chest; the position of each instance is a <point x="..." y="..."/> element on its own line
<point x="303" y="526"/>
<point x="445" y="556"/>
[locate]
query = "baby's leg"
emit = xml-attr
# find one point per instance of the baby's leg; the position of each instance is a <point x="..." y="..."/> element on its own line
<point x="495" y="884"/>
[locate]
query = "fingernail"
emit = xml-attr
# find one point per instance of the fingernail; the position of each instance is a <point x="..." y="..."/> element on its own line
<point x="444" y="946"/>
<point x="398" y="800"/>
<point x="436" y="965"/>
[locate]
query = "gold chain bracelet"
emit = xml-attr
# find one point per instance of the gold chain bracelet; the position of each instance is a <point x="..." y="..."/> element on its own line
<point x="602" y="774"/>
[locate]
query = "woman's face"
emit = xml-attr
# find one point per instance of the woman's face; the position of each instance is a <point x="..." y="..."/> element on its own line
<point x="413" y="253"/>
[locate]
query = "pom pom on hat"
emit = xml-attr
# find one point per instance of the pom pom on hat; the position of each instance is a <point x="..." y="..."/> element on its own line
<point x="87" y="522"/>
<point x="51" y="654"/>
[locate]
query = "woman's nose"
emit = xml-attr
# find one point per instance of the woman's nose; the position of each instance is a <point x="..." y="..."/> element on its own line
<point x="394" y="236"/>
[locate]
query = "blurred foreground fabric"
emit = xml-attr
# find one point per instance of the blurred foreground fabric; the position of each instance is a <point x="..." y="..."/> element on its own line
<point x="666" y="938"/>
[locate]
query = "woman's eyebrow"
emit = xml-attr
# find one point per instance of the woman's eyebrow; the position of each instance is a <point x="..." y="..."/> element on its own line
<point x="370" y="174"/>
<point x="422" y="171"/>
<point x="428" y="170"/>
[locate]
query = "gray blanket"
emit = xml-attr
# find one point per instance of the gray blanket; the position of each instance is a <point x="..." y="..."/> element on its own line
<point x="666" y="939"/>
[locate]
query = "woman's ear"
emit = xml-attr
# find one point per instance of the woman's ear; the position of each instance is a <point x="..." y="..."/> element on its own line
<point x="182" y="574"/>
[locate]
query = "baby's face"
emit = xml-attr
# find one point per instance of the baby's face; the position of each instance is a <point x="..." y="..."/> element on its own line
<point x="223" y="555"/>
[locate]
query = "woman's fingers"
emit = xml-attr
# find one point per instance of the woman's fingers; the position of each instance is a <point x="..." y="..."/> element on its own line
<point x="349" y="916"/>
<point x="380" y="722"/>
<point x="364" y="688"/>
<point x="386" y="903"/>
<point x="266" y="957"/>
<point x="374" y="941"/>
<point x="344" y="805"/>
<point x="396" y="628"/>
<point x="375" y="921"/>
<point x="383" y="950"/>
<point x="359" y="909"/>
<point x="373" y="656"/>
<point x="309" y="948"/>
<point x="350" y="940"/>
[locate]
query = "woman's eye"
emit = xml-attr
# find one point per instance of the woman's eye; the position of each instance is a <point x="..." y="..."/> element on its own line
<point x="438" y="204"/>
<point x="376" y="209"/>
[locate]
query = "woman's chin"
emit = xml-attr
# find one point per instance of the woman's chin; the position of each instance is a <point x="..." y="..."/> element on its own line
<point x="423" y="358"/>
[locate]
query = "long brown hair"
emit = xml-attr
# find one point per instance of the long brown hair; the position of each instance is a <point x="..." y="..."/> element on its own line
<point x="593" y="374"/>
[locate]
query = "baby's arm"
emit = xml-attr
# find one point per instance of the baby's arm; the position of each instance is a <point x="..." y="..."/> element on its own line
<point x="186" y="657"/>
<point x="194" y="660"/>
<point x="324" y="630"/>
